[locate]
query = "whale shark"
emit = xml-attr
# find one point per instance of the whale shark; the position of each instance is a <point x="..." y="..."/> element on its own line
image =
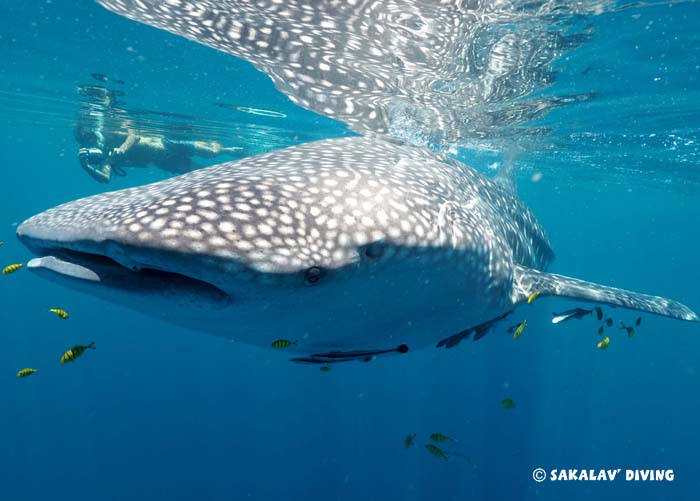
<point x="353" y="247"/>
<point x="347" y="247"/>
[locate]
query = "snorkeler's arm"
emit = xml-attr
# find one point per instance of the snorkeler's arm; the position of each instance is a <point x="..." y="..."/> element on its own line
<point x="101" y="174"/>
<point x="130" y="140"/>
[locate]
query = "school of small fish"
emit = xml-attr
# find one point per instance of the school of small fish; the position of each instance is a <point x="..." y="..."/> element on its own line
<point x="440" y="438"/>
<point x="433" y="449"/>
<point x="70" y="355"/>
<point x="578" y="313"/>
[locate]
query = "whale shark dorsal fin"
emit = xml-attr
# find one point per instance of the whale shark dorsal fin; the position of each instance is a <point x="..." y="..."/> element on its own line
<point x="527" y="281"/>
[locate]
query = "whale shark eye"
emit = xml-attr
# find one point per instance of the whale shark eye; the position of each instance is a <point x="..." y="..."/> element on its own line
<point x="312" y="276"/>
<point x="374" y="250"/>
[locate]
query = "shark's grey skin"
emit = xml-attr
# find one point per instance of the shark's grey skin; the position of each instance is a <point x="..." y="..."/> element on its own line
<point x="341" y="244"/>
<point x="425" y="71"/>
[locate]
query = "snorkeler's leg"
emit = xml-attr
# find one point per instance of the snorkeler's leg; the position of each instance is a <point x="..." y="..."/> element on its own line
<point x="206" y="149"/>
<point x="209" y="149"/>
<point x="234" y="151"/>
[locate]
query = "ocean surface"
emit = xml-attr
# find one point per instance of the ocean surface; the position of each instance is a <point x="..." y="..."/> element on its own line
<point x="609" y="166"/>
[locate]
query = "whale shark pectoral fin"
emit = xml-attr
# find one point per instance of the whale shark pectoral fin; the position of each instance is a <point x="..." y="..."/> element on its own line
<point x="527" y="281"/>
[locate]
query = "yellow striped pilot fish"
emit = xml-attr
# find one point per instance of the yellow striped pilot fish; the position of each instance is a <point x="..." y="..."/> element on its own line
<point x="520" y="328"/>
<point x="436" y="451"/>
<point x="282" y="343"/>
<point x="11" y="268"/>
<point x="439" y="437"/>
<point x="62" y="314"/>
<point x="26" y="372"/>
<point x="75" y="352"/>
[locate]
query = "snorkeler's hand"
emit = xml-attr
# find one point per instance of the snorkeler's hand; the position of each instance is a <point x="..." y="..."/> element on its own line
<point x="101" y="175"/>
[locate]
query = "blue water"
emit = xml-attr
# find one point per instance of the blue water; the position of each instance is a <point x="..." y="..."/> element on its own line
<point x="158" y="412"/>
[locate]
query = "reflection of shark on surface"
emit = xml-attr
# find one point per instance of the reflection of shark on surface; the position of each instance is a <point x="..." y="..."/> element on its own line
<point x="354" y="247"/>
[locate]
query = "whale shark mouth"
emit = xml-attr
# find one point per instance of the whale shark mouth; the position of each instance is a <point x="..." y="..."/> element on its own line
<point x="79" y="262"/>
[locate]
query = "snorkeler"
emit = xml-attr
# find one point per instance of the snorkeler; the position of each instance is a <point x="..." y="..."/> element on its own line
<point x="109" y="141"/>
<point x="137" y="150"/>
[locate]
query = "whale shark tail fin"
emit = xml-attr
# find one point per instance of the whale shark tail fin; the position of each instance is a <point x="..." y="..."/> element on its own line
<point x="528" y="281"/>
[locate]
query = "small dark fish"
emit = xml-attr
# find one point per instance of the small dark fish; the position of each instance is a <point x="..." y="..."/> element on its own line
<point x="479" y="331"/>
<point x="75" y="352"/>
<point x="601" y="329"/>
<point x="508" y="403"/>
<point x="609" y="322"/>
<point x="101" y="77"/>
<point x="638" y="321"/>
<point x="324" y="368"/>
<point x="282" y="343"/>
<point x="408" y="442"/>
<point x="630" y="329"/>
<point x="570" y="314"/>
<point x="440" y="437"/>
<point x="436" y="451"/>
<point x="599" y="312"/>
